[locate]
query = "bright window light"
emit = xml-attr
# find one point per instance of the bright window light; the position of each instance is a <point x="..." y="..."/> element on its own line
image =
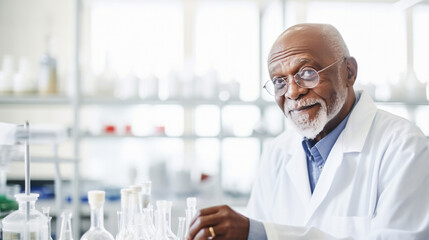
<point x="140" y="36"/>
<point x="227" y="40"/>
<point x="271" y="28"/>
<point x="240" y="120"/>
<point x="421" y="40"/>
<point x="374" y="33"/>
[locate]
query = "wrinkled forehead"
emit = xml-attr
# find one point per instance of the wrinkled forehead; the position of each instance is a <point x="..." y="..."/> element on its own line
<point x="309" y="41"/>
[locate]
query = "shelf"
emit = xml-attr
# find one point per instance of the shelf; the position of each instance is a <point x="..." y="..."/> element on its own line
<point x="222" y="136"/>
<point x="184" y="102"/>
<point x="34" y="99"/>
<point x="49" y="160"/>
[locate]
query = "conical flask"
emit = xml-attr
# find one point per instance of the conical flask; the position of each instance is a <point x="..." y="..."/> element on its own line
<point x="66" y="227"/>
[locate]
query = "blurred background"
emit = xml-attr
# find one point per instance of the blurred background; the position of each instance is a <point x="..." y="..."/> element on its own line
<point x="171" y="90"/>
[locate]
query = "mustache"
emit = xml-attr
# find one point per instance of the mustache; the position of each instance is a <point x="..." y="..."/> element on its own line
<point x="293" y="105"/>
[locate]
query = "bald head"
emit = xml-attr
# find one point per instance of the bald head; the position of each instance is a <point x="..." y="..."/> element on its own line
<point x="317" y="39"/>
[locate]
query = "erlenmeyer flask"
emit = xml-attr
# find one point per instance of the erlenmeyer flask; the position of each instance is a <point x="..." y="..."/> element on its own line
<point x="66" y="227"/>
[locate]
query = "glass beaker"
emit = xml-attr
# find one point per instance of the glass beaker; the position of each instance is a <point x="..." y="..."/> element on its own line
<point x="26" y="223"/>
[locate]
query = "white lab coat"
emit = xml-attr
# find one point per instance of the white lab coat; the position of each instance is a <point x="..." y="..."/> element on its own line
<point x="374" y="185"/>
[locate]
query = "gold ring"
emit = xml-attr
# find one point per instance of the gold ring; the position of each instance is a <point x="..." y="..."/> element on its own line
<point x="212" y="232"/>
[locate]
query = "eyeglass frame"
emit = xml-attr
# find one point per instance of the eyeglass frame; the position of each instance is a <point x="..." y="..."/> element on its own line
<point x="287" y="85"/>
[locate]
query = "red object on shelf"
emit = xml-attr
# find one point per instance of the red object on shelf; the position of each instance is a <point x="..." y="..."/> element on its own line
<point x="127" y="129"/>
<point x="159" y="129"/>
<point x="109" y="129"/>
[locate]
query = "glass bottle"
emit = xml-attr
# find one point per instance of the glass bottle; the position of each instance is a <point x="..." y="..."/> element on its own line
<point x="66" y="227"/>
<point x="26" y="223"/>
<point x="97" y="230"/>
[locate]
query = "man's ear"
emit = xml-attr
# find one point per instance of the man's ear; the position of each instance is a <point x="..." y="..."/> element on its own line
<point x="351" y="70"/>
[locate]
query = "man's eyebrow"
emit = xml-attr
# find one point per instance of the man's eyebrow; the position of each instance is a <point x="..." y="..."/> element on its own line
<point x="299" y="62"/>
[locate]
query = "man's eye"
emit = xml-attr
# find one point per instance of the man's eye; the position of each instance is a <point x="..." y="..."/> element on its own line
<point x="308" y="74"/>
<point x="279" y="82"/>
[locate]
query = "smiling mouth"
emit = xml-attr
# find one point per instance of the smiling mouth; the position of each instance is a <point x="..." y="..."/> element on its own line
<point x="297" y="110"/>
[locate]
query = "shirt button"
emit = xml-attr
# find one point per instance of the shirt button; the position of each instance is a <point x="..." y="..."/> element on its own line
<point x="320" y="167"/>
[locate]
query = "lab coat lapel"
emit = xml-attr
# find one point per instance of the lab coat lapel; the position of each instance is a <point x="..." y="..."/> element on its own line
<point x="350" y="140"/>
<point x="297" y="171"/>
<point x="326" y="177"/>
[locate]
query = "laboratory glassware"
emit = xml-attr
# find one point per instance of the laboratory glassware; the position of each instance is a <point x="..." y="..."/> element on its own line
<point x="26" y="223"/>
<point x="66" y="227"/>
<point x="126" y="228"/>
<point x="148" y="222"/>
<point x="45" y="211"/>
<point x="181" y="229"/>
<point x="162" y="221"/>
<point x="138" y="217"/>
<point x="97" y="230"/>
<point x="191" y="203"/>
<point x="170" y="233"/>
<point x="146" y="192"/>
<point x="137" y="196"/>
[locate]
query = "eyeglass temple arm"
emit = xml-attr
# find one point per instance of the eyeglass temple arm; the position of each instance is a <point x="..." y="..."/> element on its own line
<point x="343" y="58"/>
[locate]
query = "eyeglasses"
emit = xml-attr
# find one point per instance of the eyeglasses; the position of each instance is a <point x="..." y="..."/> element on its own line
<point x="306" y="78"/>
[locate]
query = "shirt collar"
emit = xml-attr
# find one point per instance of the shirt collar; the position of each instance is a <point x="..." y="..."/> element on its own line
<point x="325" y="145"/>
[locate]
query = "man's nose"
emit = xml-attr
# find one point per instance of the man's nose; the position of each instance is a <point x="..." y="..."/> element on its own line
<point x="294" y="91"/>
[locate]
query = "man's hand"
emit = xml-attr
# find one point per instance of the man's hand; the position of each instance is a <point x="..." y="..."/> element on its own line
<point x="225" y="222"/>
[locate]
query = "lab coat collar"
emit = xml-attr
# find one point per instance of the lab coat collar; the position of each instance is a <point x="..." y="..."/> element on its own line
<point x="359" y="124"/>
<point x="352" y="139"/>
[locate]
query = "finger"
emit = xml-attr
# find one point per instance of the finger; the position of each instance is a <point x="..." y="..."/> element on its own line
<point x="203" y="222"/>
<point x="206" y="211"/>
<point x="205" y="233"/>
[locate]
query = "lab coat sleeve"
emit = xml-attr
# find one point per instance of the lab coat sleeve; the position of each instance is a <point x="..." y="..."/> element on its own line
<point x="402" y="208"/>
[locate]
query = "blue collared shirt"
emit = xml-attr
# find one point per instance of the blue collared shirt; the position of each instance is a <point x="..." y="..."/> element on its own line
<point x="316" y="153"/>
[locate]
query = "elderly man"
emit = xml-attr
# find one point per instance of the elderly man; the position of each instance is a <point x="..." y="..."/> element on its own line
<point x="347" y="170"/>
